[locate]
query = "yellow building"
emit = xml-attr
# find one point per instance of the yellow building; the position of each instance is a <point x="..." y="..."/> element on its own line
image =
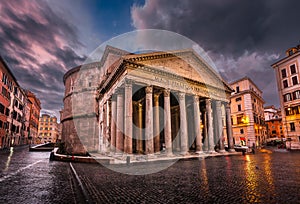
<point x="247" y="113"/>
<point x="287" y="76"/>
<point x="48" y="129"/>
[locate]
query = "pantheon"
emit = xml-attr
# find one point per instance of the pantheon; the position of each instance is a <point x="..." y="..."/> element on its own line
<point x="155" y="102"/>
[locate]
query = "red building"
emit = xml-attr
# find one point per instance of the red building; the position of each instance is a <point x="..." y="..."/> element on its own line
<point x="6" y="87"/>
<point x="35" y="108"/>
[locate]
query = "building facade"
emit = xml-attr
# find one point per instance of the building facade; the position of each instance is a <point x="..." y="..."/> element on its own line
<point x="273" y="122"/>
<point x="145" y="104"/>
<point x="35" y="108"/>
<point x="287" y="76"/>
<point x="48" y="129"/>
<point x="247" y="113"/>
<point x="13" y="102"/>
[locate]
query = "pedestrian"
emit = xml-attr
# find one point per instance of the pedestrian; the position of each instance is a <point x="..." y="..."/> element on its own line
<point x="253" y="148"/>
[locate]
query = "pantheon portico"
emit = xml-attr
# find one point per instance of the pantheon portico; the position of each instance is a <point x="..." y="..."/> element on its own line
<point x="158" y="103"/>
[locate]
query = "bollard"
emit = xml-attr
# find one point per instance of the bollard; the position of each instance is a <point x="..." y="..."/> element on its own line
<point x="51" y="156"/>
<point x="128" y="160"/>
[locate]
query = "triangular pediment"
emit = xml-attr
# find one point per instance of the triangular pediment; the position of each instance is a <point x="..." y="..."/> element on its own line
<point x="185" y="63"/>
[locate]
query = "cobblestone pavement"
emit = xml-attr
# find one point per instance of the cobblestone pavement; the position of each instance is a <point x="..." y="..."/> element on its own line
<point x="29" y="177"/>
<point x="266" y="177"/>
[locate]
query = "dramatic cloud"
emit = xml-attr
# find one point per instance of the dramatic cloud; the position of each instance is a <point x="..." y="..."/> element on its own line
<point x="242" y="37"/>
<point x="38" y="44"/>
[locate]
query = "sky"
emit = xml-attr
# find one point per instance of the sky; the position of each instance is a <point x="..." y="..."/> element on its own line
<point x="42" y="39"/>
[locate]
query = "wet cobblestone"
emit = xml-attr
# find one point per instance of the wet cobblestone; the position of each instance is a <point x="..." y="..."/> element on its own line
<point x="261" y="178"/>
<point x="266" y="177"/>
<point x="29" y="177"/>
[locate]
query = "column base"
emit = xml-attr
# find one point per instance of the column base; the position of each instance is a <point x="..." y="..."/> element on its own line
<point x="199" y="152"/>
<point x="222" y="151"/>
<point x="151" y="156"/>
<point x="211" y="152"/>
<point x="231" y="150"/>
<point x="170" y="154"/>
<point x="184" y="153"/>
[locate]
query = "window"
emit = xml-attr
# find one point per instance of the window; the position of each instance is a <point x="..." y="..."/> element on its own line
<point x="238" y="99"/>
<point x="239" y="108"/>
<point x="16" y="103"/>
<point x="238" y="89"/>
<point x="293" y="69"/>
<point x="283" y="73"/>
<point x="287" y="97"/>
<point x="16" y="90"/>
<point x="7" y="112"/>
<point x="239" y="119"/>
<point x="2" y="108"/>
<point x="242" y="131"/>
<point x="292" y="126"/>
<point x="296" y="95"/>
<point x="1" y="123"/>
<point x="295" y="80"/>
<point x="285" y="84"/>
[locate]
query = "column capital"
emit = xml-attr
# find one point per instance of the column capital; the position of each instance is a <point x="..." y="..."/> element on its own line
<point x="181" y="95"/>
<point x="113" y="97"/>
<point x="128" y="82"/>
<point x="166" y="92"/>
<point x="227" y="105"/>
<point x="196" y="98"/>
<point x="156" y="94"/>
<point x="149" y="89"/>
<point x="119" y="90"/>
<point x="208" y="101"/>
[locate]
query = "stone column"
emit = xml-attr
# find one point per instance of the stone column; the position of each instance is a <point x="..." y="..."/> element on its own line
<point x="120" y="123"/>
<point x="204" y="122"/>
<point x="156" y="123"/>
<point x="101" y="135"/>
<point x="215" y="122"/>
<point x="149" y="121"/>
<point x="220" y="126"/>
<point x="210" y="131"/>
<point x="108" y="125"/>
<point x="128" y="117"/>
<point x="113" y="124"/>
<point x="104" y="128"/>
<point x="177" y="135"/>
<point x="183" y="124"/>
<point x="197" y="121"/>
<point x="167" y="118"/>
<point x="138" y="129"/>
<point x="229" y="128"/>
